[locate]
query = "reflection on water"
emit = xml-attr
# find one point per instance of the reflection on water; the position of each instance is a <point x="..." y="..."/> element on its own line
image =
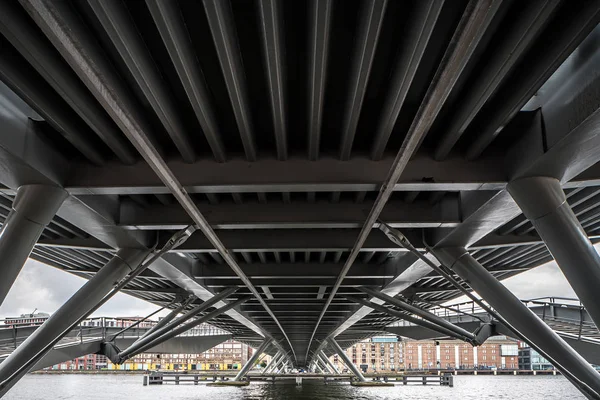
<point x="116" y="387"/>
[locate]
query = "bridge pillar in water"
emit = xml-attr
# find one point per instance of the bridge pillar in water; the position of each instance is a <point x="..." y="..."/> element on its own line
<point x="261" y="349"/>
<point x="342" y="354"/>
<point x="522" y="320"/>
<point x="544" y="203"/>
<point x="32" y="210"/>
<point x="79" y="306"/>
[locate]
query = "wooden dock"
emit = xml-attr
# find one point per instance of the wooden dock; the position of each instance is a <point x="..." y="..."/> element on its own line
<point x="163" y="378"/>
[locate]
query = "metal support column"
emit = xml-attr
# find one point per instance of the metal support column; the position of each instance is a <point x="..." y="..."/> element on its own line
<point x="154" y="341"/>
<point x="326" y="364"/>
<point x="417" y="311"/>
<point x="522" y="319"/>
<point x="410" y="318"/>
<point x="77" y="307"/>
<point x="250" y="363"/>
<point x="543" y="202"/>
<point x="331" y="366"/>
<point x="33" y="208"/>
<point x="164" y="321"/>
<point x="274" y="360"/>
<point x="160" y="332"/>
<point x="279" y="365"/>
<point x="346" y="360"/>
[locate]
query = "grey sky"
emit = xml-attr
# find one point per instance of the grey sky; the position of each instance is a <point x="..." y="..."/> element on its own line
<point x="46" y="288"/>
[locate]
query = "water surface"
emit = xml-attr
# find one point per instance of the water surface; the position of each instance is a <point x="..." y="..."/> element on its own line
<point x="116" y="387"/>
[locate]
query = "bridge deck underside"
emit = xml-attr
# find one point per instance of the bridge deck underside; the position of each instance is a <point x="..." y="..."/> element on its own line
<point x="286" y="148"/>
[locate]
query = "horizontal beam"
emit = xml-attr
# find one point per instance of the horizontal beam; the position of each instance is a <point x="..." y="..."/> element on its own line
<point x="286" y="240"/>
<point x="299" y="175"/>
<point x="444" y="214"/>
<point x="292" y="175"/>
<point x="294" y="271"/>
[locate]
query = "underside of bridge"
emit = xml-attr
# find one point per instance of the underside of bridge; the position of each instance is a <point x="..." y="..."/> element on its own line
<point x="284" y="133"/>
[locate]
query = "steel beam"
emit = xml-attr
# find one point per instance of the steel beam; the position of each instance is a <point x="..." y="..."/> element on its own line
<point x="417" y="311"/>
<point x="32" y="45"/>
<point x="422" y="25"/>
<point x="250" y="363"/>
<point x="331" y="366"/>
<point x="519" y="317"/>
<point x="453" y="333"/>
<point x="300" y="175"/>
<point x="177" y="329"/>
<point x="33" y="208"/>
<point x="272" y="26"/>
<point x="539" y="67"/>
<point x="326" y="270"/>
<point x="282" y="360"/>
<point x="61" y="322"/>
<point x="342" y="354"/>
<point x="445" y="214"/>
<point x="544" y="203"/>
<point x="115" y="19"/>
<point x="165" y="320"/>
<point x="159" y="333"/>
<point x="471" y="29"/>
<point x="320" y="26"/>
<point x="371" y="22"/>
<point x="64" y="29"/>
<point x="326" y="364"/>
<point x="272" y="363"/>
<point x="222" y="27"/>
<point x="528" y="24"/>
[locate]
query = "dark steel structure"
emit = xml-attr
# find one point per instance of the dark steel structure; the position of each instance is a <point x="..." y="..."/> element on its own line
<point x="262" y="144"/>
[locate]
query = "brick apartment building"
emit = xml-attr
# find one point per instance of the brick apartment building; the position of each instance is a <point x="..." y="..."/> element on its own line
<point x="390" y="354"/>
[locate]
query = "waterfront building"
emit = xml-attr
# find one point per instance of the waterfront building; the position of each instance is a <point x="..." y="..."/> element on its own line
<point x="388" y="354"/>
<point x="229" y="355"/>
<point x="529" y="359"/>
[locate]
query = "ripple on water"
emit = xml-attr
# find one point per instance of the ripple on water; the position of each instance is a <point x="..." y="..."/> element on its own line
<point x="117" y="387"/>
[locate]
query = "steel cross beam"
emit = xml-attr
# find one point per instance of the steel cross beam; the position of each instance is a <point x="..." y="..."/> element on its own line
<point x="471" y="28"/>
<point x="73" y="40"/>
<point x="417" y="311"/>
<point x="347" y="361"/>
<point x="521" y="319"/>
<point x="177" y="330"/>
<point x="168" y="318"/>
<point x="161" y="332"/>
<point x="331" y="366"/>
<point x="469" y="337"/>
<point x="250" y="363"/>
<point x="95" y="291"/>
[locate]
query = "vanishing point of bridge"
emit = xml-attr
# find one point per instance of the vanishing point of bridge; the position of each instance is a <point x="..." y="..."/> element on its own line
<point x="301" y="174"/>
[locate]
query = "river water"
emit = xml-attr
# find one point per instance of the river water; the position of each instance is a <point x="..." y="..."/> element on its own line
<point x="117" y="387"/>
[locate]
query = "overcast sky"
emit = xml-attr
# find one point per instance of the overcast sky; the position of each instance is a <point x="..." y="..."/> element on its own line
<point x="46" y="288"/>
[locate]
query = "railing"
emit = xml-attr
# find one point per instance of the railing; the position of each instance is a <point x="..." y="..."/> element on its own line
<point x="545" y="307"/>
<point x="13" y="333"/>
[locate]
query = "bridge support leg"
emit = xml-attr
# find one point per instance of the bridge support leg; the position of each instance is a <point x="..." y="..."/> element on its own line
<point x="326" y="365"/>
<point x="164" y="321"/>
<point x="80" y="305"/>
<point x="33" y="208"/>
<point x="282" y="360"/>
<point x="176" y="327"/>
<point x="342" y="354"/>
<point x="329" y="363"/>
<point x="543" y="202"/>
<point x="273" y="362"/>
<point x="522" y="320"/>
<point x="250" y="363"/>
